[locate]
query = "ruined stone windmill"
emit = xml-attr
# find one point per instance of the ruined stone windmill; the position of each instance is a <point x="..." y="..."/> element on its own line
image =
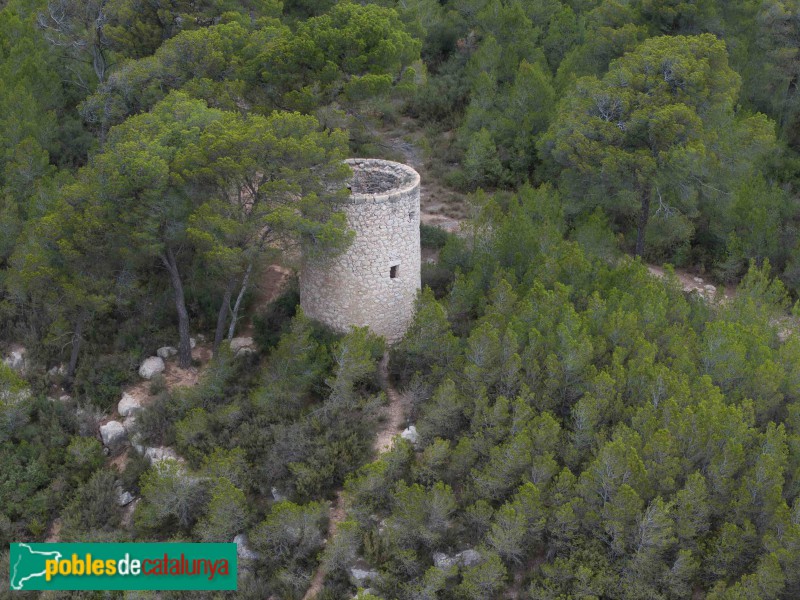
<point x="376" y="280"/>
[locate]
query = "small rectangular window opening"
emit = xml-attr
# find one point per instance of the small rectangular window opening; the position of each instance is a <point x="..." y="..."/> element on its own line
<point x="394" y="271"/>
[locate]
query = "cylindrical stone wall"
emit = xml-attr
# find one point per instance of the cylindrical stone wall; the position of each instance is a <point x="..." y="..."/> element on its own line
<point x="375" y="281"/>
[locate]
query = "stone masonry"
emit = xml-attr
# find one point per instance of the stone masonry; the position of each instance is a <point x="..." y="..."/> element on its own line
<point x="376" y="280"/>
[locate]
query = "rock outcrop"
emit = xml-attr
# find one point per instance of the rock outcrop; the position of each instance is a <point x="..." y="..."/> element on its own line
<point x="242" y="345"/>
<point x="411" y="435"/>
<point x="124" y="497"/>
<point x="243" y="549"/>
<point x="16" y="360"/>
<point x="166" y="352"/>
<point x="361" y="574"/>
<point x="466" y="558"/>
<point x="151" y="367"/>
<point x="113" y="433"/>
<point x="158" y="454"/>
<point x="128" y="405"/>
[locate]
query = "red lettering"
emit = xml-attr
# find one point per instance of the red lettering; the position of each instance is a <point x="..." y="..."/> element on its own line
<point x="152" y="561"/>
<point x="175" y="567"/>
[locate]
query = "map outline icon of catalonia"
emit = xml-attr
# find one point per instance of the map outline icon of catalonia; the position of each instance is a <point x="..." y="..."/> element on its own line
<point x="16" y="582"/>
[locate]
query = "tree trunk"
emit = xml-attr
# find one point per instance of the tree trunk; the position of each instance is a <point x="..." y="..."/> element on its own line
<point x="184" y="346"/>
<point x="99" y="63"/>
<point x="77" y="340"/>
<point x="238" y="304"/>
<point x="644" y="217"/>
<point x="222" y="316"/>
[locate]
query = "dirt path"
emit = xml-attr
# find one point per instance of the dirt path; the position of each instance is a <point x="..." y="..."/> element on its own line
<point x="439" y="205"/>
<point x="396" y="411"/>
<point x="396" y="414"/>
<point x="335" y="516"/>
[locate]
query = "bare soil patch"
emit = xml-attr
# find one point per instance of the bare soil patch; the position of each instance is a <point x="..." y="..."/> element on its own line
<point x="335" y="516"/>
<point x="440" y="205"/>
<point x="694" y="283"/>
<point x="396" y="412"/>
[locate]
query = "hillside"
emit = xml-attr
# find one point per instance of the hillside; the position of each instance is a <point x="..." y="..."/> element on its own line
<point x="598" y="394"/>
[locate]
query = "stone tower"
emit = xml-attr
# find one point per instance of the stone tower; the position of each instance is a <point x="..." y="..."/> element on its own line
<point x="375" y="281"/>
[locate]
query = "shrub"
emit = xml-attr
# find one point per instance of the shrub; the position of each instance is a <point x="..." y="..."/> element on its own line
<point x="158" y="384"/>
<point x="156" y="423"/>
<point x="291" y="533"/>
<point x="442" y="98"/>
<point x="432" y="237"/>
<point x="136" y="465"/>
<point x="194" y="436"/>
<point x="100" y="379"/>
<point x="226" y="513"/>
<point x="437" y="278"/>
<point x="84" y="456"/>
<point x="94" y="507"/>
<point x="172" y="498"/>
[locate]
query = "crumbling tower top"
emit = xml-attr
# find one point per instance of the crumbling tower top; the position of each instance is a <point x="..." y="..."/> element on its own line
<point x="377" y="180"/>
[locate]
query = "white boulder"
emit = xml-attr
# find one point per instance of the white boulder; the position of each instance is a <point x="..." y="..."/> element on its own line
<point x="16" y="360"/>
<point x="112" y="433"/>
<point x="166" y="352"/>
<point x="123" y="497"/>
<point x="128" y="405"/>
<point x="466" y="558"/>
<point x="411" y="435"/>
<point x="238" y="343"/>
<point x="152" y="366"/>
<point x="58" y="370"/>
<point x="161" y="453"/>
<point x="443" y="561"/>
<point x="243" y="549"/>
<point x="469" y="558"/>
<point x="359" y="576"/>
<point x="242" y="345"/>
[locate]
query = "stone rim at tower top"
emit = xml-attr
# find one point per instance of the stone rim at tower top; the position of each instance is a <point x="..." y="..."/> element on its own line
<point x="403" y="179"/>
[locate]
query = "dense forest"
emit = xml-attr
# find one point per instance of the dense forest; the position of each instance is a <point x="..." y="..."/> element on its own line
<point x="584" y="429"/>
